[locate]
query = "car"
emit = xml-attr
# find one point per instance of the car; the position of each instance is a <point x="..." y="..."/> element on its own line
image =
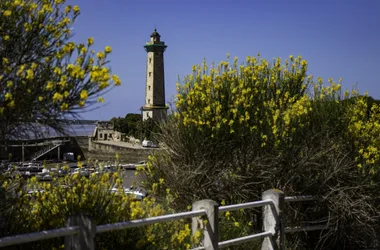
<point x="34" y="191"/>
<point x="149" y="144"/>
<point x="62" y="172"/>
<point x="137" y="194"/>
<point x="81" y="172"/>
<point x="146" y="143"/>
<point x="44" y="177"/>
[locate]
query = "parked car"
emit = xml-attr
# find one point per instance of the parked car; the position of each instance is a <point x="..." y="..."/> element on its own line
<point x="146" y="143"/>
<point x="62" y="172"/>
<point x="137" y="194"/>
<point x="81" y="172"/>
<point x="44" y="177"/>
<point x="149" y="144"/>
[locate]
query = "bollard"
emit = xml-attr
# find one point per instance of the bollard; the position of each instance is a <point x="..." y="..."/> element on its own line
<point x="272" y="220"/>
<point x="84" y="240"/>
<point x="211" y="233"/>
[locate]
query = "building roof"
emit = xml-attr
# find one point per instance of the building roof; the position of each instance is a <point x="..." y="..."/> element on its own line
<point x="44" y="132"/>
<point x="155" y="33"/>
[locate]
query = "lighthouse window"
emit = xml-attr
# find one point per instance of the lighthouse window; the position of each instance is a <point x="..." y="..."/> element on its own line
<point x="150" y="74"/>
<point x="150" y="59"/>
<point x="149" y="101"/>
<point x="149" y="87"/>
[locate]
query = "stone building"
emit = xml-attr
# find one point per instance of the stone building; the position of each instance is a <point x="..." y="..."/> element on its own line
<point x="104" y="131"/>
<point x="155" y="106"/>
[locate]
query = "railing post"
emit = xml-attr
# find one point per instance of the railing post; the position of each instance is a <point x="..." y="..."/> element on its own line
<point x="272" y="220"/>
<point x="211" y="232"/>
<point x="84" y="240"/>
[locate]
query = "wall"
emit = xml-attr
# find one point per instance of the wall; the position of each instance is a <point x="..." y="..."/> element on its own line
<point x="108" y="152"/>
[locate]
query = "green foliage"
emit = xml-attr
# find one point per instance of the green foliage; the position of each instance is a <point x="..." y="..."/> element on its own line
<point x="130" y="124"/>
<point x="44" y="75"/>
<point x="150" y="128"/>
<point x="241" y="129"/>
<point x="31" y="206"/>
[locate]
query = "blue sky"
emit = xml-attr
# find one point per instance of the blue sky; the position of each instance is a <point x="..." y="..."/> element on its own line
<point x="337" y="38"/>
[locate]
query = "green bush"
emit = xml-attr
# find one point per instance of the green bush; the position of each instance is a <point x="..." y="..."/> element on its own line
<point x="53" y="202"/>
<point x="239" y="130"/>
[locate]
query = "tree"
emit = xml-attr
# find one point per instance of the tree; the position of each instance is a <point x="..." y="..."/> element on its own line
<point x="133" y="122"/>
<point x="129" y="125"/>
<point x="44" y="76"/>
<point x="149" y="129"/>
<point x="241" y="129"/>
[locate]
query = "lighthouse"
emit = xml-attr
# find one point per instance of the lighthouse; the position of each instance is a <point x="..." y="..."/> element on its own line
<point x="155" y="106"/>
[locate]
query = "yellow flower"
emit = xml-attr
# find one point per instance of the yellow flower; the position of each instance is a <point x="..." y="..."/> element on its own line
<point x="40" y="98"/>
<point x="76" y="9"/>
<point x="7" y="13"/>
<point x="108" y="49"/>
<point x="83" y="50"/>
<point x="90" y="41"/>
<point x="49" y="85"/>
<point x="9" y="84"/>
<point x="64" y="106"/>
<point x="8" y="96"/>
<point x="68" y="9"/>
<point x="101" y="99"/>
<point x="116" y="80"/>
<point x="57" y="97"/>
<point x="6" y="38"/>
<point x="11" y="104"/>
<point x="57" y="71"/>
<point x="66" y="21"/>
<point x="5" y="60"/>
<point x="83" y="94"/>
<point x="100" y="55"/>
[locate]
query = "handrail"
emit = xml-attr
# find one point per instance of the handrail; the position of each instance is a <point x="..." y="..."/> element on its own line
<point x="73" y="230"/>
<point x="44" y="235"/>
<point x="240" y="240"/>
<point x="305" y="229"/>
<point x="245" y="205"/>
<point x="25" y="238"/>
<point x="45" y="151"/>
<point x="148" y="221"/>
<point x="300" y="198"/>
<point x="31" y="237"/>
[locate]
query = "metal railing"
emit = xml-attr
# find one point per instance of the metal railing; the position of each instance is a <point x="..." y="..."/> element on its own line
<point x="80" y="232"/>
<point x="296" y="229"/>
<point x="45" y="151"/>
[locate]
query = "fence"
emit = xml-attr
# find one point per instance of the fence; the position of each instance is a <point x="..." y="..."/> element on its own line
<point x="80" y="231"/>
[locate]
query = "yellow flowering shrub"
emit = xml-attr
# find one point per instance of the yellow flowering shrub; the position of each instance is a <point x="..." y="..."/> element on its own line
<point x="38" y="206"/>
<point x="232" y="98"/>
<point x="44" y="75"/>
<point x="240" y="129"/>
